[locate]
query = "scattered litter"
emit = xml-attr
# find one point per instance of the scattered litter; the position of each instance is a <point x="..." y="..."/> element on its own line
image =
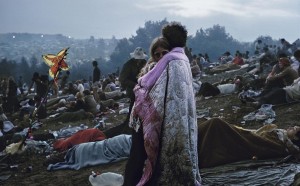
<point x="124" y="111"/>
<point x="68" y="131"/>
<point x="247" y="95"/>
<point x="269" y="121"/>
<point x="61" y="109"/>
<point x="265" y="112"/>
<point x="38" y="147"/>
<point x="36" y="124"/>
<point x="201" y="113"/>
<point x="235" y="109"/>
<point x="101" y="125"/>
<point x="54" y="115"/>
<point x="107" y="179"/>
<point x="15" y="148"/>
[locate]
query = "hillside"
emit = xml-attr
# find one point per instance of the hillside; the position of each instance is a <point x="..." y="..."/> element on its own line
<point x="29" y="168"/>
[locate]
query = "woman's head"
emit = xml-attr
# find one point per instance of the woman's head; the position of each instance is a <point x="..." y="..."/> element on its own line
<point x="159" y="47"/>
<point x="175" y="33"/>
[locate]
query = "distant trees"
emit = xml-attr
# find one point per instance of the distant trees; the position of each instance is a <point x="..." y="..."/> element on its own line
<point x="111" y="54"/>
<point x="214" y="41"/>
<point x="24" y="70"/>
<point x="143" y="38"/>
<point x="14" y="69"/>
<point x="7" y="67"/>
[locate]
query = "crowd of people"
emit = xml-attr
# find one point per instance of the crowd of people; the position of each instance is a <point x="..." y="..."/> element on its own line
<point x="167" y="145"/>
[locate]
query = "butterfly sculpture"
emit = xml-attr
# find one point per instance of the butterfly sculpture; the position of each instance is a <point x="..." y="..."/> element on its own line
<point x="56" y="62"/>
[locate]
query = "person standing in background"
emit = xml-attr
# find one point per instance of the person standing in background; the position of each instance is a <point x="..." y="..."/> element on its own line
<point x="129" y="73"/>
<point x="20" y="84"/>
<point x="96" y="79"/>
<point x="64" y="80"/>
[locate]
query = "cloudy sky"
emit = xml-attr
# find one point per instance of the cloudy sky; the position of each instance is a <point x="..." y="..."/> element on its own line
<point x="245" y="20"/>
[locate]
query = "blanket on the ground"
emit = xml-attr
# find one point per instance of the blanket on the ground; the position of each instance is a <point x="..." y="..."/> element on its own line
<point x="221" y="143"/>
<point x="264" y="172"/>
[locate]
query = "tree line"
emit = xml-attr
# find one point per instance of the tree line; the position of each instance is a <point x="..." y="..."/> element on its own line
<point x="213" y="41"/>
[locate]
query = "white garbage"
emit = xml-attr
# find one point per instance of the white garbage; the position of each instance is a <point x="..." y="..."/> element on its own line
<point x="106" y="179"/>
<point x="124" y="111"/>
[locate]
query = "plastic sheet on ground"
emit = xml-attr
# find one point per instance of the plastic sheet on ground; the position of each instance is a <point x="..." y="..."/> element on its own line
<point x="260" y="172"/>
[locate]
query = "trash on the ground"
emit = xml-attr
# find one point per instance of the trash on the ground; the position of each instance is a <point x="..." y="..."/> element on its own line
<point x="124" y="111"/>
<point x="107" y="179"/>
<point x="263" y="113"/>
<point x="235" y="109"/>
<point x="201" y="113"/>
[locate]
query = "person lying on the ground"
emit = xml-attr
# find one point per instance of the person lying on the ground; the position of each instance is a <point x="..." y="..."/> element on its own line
<point x="94" y="153"/>
<point x="69" y="117"/>
<point x="284" y="95"/>
<point x="54" y="101"/>
<point x="220" y="143"/>
<point x="250" y="81"/>
<point x="79" y="103"/>
<point x="223" y="68"/>
<point x="82" y="136"/>
<point x="109" y="104"/>
<point x="208" y="89"/>
<point x="70" y="105"/>
<point x="115" y="95"/>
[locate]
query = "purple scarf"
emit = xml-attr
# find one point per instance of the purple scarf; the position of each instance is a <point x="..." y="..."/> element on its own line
<point x="149" y="79"/>
<point x="145" y="110"/>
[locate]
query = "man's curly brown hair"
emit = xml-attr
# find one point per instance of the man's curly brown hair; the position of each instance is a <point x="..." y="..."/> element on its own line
<point x="175" y="33"/>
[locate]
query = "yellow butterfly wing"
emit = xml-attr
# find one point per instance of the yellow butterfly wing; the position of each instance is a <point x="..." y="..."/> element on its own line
<point x="63" y="52"/>
<point x="49" y="59"/>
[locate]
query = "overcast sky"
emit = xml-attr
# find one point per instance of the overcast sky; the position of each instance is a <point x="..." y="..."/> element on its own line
<point x="245" y="20"/>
